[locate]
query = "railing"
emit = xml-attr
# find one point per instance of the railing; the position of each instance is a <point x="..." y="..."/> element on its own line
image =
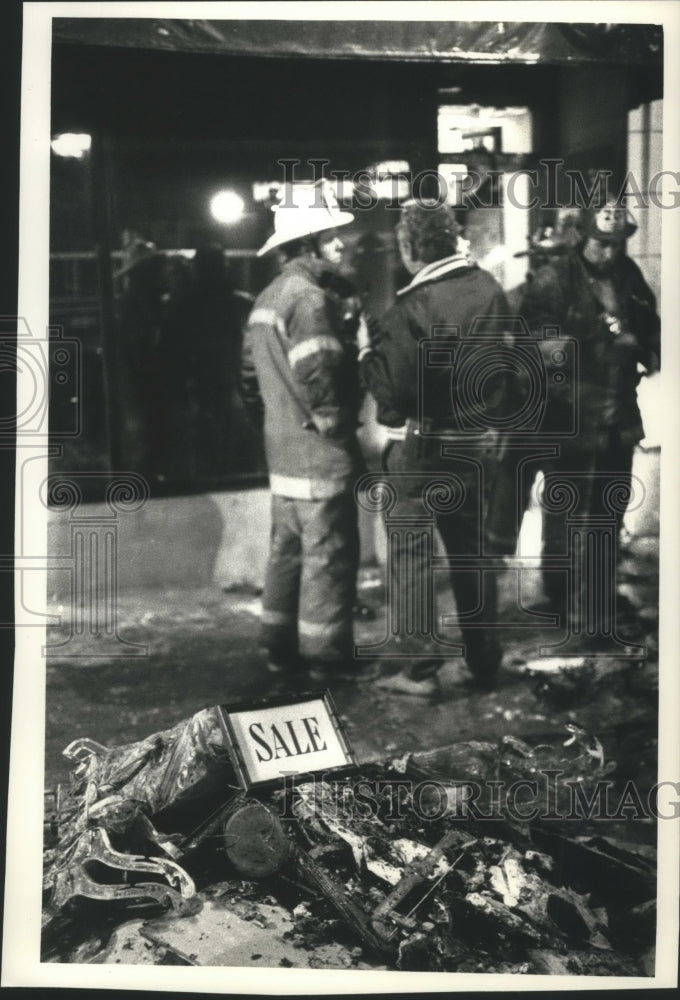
<point x="73" y="274"/>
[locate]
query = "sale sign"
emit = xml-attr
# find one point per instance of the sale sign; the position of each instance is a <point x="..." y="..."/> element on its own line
<point x="277" y="738"/>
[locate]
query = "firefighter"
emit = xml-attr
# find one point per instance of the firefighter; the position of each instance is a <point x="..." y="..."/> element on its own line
<point x="301" y="369"/>
<point x="598" y="297"/>
<point x="545" y="244"/>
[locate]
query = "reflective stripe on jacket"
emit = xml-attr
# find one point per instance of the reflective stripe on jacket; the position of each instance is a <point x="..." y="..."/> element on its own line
<point x="307" y="377"/>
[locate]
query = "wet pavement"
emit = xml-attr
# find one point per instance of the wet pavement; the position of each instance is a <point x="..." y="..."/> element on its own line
<point x="202" y="650"/>
<point x="195" y="648"/>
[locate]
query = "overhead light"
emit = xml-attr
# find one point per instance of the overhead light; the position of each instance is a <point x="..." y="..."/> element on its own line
<point x="227" y="207"/>
<point x="73" y="144"/>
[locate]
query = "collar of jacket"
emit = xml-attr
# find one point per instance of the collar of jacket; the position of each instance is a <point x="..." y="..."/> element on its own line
<point x="311" y="266"/>
<point x="437" y="269"/>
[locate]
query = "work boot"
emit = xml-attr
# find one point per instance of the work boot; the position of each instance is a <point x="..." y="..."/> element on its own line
<point x="288" y="673"/>
<point x="286" y="664"/>
<point x="547" y="605"/>
<point x="484" y="661"/>
<point x="278" y="668"/>
<point x="425" y="687"/>
<point x="336" y="673"/>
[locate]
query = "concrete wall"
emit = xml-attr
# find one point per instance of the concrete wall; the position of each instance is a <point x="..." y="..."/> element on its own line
<point x="195" y="541"/>
<point x="222" y="539"/>
<point x="179" y="541"/>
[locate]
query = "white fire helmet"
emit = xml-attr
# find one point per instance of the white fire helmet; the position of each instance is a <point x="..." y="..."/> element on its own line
<point x="304" y="210"/>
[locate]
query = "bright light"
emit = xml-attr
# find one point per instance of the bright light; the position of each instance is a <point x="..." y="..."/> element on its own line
<point x="227" y="207"/>
<point x="73" y="144"/>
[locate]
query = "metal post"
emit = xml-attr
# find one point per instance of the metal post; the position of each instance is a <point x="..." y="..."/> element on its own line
<point x="102" y="203"/>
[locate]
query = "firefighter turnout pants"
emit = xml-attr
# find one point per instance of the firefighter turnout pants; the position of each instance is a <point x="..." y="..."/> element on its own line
<point x="310" y="583"/>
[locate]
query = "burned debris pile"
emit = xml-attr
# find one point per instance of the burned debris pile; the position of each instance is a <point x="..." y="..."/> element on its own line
<point x="459" y="859"/>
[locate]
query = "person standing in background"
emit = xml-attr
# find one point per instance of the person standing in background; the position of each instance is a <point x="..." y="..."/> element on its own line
<point x="596" y="295"/>
<point x="449" y="292"/>
<point x="141" y="318"/>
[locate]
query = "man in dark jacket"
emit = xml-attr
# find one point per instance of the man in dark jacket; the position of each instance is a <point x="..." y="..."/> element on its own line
<point x="597" y="296"/>
<point x="436" y="450"/>
<point x="300" y="367"/>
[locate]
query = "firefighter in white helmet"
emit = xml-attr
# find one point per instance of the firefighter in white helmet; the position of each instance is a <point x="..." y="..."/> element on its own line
<point x="301" y="370"/>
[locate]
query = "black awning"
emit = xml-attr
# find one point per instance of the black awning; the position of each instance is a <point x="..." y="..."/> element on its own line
<point x="485" y="42"/>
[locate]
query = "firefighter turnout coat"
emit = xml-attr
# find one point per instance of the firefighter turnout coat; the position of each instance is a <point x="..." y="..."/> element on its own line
<point x="306" y="375"/>
<point x="296" y="360"/>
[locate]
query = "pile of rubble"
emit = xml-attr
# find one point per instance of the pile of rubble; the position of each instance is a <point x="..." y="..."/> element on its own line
<point x="421" y="862"/>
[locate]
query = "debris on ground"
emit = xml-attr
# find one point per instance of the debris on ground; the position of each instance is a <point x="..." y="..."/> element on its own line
<point x="566" y="682"/>
<point x="419" y="862"/>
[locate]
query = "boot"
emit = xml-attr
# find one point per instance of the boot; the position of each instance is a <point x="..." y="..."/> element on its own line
<point x="484" y="660"/>
<point x="426" y="687"/>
